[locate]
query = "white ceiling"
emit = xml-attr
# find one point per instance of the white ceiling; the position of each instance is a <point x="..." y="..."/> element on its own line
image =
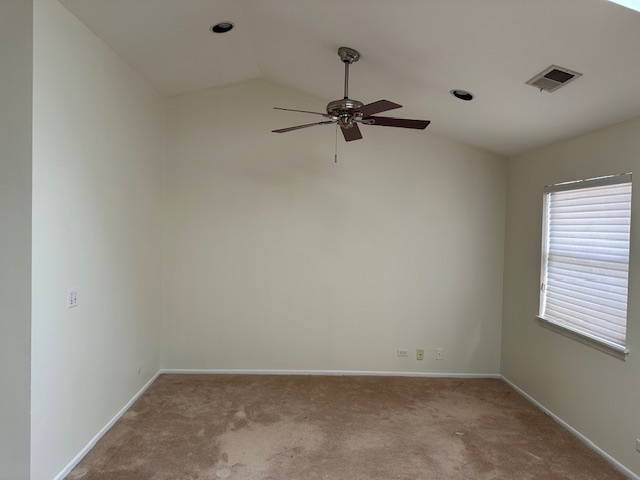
<point x="413" y="53"/>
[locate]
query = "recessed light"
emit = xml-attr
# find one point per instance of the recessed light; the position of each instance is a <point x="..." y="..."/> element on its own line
<point x="222" y="27"/>
<point x="462" y="94"/>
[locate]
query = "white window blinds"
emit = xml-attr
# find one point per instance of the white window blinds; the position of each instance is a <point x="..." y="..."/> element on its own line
<point x="585" y="259"/>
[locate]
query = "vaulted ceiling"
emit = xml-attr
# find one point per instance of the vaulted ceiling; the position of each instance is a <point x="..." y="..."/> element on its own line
<point x="414" y="52"/>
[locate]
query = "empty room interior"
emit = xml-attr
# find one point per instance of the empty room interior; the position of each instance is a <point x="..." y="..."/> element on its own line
<point x="338" y="239"/>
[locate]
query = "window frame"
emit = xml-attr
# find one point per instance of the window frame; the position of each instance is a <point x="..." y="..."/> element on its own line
<point x="618" y="351"/>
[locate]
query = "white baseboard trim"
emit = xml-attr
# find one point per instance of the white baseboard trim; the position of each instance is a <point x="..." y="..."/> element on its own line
<point x="616" y="464"/>
<point x="349" y="373"/>
<point x="104" y="430"/>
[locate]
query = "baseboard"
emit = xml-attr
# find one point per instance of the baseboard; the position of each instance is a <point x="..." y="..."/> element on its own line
<point x="104" y="430"/>
<point x="616" y="464"/>
<point x="350" y="373"/>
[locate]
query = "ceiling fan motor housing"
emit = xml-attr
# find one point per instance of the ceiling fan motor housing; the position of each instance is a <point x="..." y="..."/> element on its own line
<point x="343" y="105"/>
<point x="345" y="111"/>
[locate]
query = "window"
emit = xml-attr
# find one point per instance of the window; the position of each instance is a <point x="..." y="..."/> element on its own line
<point x="585" y="260"/>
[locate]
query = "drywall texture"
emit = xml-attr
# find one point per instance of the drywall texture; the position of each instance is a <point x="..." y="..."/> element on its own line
<point x="278" y="258"/>
<point x="97" y="198"/>
<point x="593" y="392"/>
<point x="15" y="240"/>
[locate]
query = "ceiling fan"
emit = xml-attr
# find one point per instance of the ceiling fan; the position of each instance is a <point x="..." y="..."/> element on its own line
<point x="348" y="113"/>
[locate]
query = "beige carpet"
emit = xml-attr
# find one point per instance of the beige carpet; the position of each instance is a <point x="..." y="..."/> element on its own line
<point x="241" y="427"/>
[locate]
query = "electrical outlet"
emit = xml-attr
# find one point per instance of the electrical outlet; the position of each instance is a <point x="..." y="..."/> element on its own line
<point x="420" y="354"/>
<point x="72" y="298"/>
<point x="439" y="354"/>
<point x="638" y="444"/>
<point x="403" y="352"/>
<point x="139" y="370"/>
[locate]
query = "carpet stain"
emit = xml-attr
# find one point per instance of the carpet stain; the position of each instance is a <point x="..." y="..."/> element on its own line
<point x="245" y="427"/>
<point x="257" y="447"/>
<point x="223" y="473"/>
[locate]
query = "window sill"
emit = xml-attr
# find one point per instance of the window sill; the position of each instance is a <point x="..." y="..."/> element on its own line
<point x="606" y="347"/>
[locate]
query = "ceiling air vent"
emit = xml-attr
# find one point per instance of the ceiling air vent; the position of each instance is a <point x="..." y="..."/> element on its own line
<point x="552" y="78"/>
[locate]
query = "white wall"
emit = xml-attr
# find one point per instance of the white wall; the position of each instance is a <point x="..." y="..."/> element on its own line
<point x="595" y="393"/>
<point x="15" y="236"/>
<point x="277" y="258"/>
<point x="97" y="212"/>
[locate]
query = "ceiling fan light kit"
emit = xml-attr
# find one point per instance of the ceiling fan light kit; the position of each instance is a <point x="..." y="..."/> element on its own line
<point x="347" y="113"/>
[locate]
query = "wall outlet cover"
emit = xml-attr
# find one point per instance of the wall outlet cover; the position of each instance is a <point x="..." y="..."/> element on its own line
<point x="72" y="298"/>
<point x="420" y="354"/>
<point x="403" y="352"/>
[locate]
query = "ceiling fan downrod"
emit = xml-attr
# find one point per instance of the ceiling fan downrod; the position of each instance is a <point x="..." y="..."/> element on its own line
<point x="348" y="56"/>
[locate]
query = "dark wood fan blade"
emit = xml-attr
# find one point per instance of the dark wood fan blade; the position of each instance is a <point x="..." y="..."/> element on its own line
<point x="298" y="127"/>
<point x="301" y="111"/>
<point x="399" y="122"/>
<point x="377" y="107"/>
<point x="352" y="133"/>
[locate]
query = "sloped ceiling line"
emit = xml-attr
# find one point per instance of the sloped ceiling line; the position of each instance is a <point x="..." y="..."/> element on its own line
<point x="413" y="53"/>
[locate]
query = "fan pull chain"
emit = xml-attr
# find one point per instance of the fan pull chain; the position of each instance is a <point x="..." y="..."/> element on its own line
<point x="335" y="155"/>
